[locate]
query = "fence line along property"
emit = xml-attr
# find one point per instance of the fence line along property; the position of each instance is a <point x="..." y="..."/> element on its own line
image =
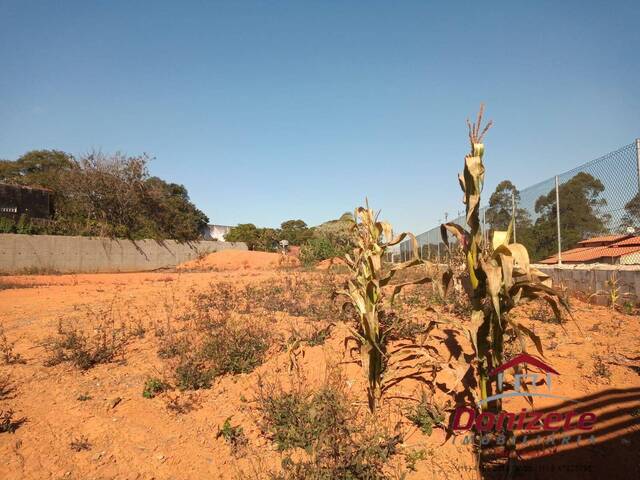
<point x="599" y="211"/>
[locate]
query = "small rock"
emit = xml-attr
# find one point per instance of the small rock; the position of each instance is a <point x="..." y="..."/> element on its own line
<point x="160" y="457"/>
<point x="115" y="402"/>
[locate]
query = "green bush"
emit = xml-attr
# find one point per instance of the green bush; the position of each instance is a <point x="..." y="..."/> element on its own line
<point x="325" y="425"/>
<point x="317" y="249"/>
<point x="7" y="225"/>
<point x="153" y="387"/>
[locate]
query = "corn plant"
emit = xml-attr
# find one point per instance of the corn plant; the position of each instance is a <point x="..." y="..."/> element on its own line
<point x="365" y="290"/>
<point x="500" y="274"/>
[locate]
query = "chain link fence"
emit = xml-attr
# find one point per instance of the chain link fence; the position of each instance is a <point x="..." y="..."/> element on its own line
<point x="598" y="217"/>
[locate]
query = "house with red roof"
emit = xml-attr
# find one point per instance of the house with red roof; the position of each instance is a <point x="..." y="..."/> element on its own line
<point x="608" y="249"/>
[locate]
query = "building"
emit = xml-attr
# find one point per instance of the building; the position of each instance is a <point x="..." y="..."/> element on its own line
<point x="215" y="232"/>
<point x="609" y="249"/>
<point x="17" y="200"/>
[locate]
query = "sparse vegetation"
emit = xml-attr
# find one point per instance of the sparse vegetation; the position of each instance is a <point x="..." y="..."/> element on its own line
<point x="8" y="355"/>
<point x="153" y="387"/>
<point x="338" y="443"/>
<point x="601" y="369"/>
<point x="233" y="435"/>
<point x="80" y="444"/>
<point x="9" y="424"/>
<point x="102" y="342"/>
<point x="426" y="415"/>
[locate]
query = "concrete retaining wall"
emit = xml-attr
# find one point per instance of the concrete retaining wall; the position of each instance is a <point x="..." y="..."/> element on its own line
<point x="54" y="253"/>
<point x="587" y="280"/>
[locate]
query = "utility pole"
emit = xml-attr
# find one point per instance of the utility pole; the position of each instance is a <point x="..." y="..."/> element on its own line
<point x="439" y="240"/>
<point x="558" y="222"/>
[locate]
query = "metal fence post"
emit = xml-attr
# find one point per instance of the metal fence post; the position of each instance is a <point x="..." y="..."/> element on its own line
<point x="558" y="222"/>
<point x="638" y="161"/>
<point x="513" y="215"/>
<point x="484" y="226"/>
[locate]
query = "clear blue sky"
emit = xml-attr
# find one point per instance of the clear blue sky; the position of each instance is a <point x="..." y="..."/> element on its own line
<point x="274" y="110"/>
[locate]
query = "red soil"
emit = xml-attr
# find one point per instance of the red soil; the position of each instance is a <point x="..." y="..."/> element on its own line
<point x="139" y="438"/>
<point x="239" y="259"/>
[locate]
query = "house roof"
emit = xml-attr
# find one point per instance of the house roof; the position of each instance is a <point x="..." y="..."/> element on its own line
<point x="603" y="239"/>
<point x="627" y="242"/>
<point x="615" y="249"/>
<point x="568" y="254"/>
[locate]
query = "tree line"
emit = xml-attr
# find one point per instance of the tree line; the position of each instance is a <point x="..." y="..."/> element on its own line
<point x="328" y="240"/>
<point x="103" y="195"/>
<point x="581" y="213"/>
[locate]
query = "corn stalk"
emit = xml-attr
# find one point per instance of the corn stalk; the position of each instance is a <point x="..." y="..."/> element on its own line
<point x="500" y="274"/>
<point x="365" y="290"/>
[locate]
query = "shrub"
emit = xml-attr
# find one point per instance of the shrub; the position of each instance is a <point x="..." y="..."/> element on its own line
<point x="338" y="445"/>
<point x="7" y="225"/>
<point x="425" y="416"/>
<point x="153" y="386"/>
<point x="233" y="435"/>
<point x="6" y="386"/>
<point x="7" y="354"/>
<point x="191" y="374"/>
<point x="236" y="348"/>
<point x="8" y="424"/>
<point x="80" y="444"/>
<point x="86" y="348"/>
<point x="317" y="249"/>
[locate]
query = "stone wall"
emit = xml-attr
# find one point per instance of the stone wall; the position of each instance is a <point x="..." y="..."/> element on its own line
<point x="56" y="253"/>
<point x="590" y="280"/>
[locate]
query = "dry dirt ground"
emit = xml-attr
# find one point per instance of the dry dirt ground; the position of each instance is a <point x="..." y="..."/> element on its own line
<point x="96" y="424"/>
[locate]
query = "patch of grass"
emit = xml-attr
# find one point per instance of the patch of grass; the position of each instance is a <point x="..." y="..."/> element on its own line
<point x="543" y="313"/>
<point x="233" y="435"/>
<point x="80" y="444"/>
<point x="181" y="404"/>
<point x="601" y="369"/>
<point x="153" y="387"/>
<point x="7" y="354"/>
<point x="318" y="337"/>
<point x="191" y="374"/>
<point x="236" y="348"/>
<point x="102" y="342"/>
<point x="173" y="346"/>
<point x="426" y="416"/>
<point x="337" y="443"/>
<point x="412" y="457"/>
<point x="9" y="424"/>
<point x="6" y="386"/>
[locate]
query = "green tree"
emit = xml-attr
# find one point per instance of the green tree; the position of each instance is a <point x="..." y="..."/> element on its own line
<point x="37" y="168"/>
<point x="580" y="216"/>
<point x="244" y="232"/>
<point x="330" y="239"/>
<point x="631" y="217"/>
<point x="268" y="239"/>
<point x="500" y="211"/>
<point x="295" y="232"/>
<point x="107" y="196"/>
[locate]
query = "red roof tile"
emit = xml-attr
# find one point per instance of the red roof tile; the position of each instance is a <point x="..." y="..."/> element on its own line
<point x="627" y="242"/>
<point x="603" y="239"/>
